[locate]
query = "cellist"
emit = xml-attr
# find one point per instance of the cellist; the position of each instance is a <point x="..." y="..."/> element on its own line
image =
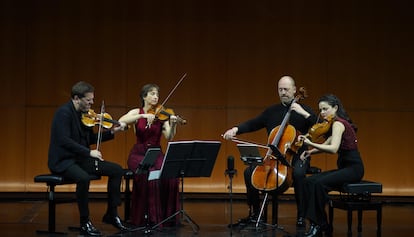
<point x="301" y="118"/>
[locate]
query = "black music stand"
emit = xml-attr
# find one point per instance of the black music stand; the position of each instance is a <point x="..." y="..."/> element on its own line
<point x="143" y="168"/>
<point x="251" y="156"/>
<point x="188" y="159"/>
<point x="148" y="161"/>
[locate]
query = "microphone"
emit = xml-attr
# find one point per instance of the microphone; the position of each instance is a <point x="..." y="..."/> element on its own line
<point x="230" y="166"/>
<point x="230" y="163"/>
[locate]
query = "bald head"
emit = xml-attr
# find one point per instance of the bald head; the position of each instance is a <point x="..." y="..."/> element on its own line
<point x="286" y="80"/>
<point x="286" y="89"/>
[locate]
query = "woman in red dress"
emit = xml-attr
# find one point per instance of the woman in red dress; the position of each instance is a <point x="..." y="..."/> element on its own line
<point x="155" y="200"/>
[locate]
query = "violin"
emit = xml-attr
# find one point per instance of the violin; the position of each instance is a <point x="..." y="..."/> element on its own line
<point x="91" y="119"/>
<point x="164" y="114"/>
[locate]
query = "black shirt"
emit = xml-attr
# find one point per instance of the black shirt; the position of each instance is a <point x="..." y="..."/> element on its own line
<point x="273" y="116"/>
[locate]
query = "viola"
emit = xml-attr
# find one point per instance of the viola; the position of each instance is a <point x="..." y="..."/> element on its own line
<point x="276" y="172"/>
<point x="317" y="132"/>
<point x="91" y="118"/>
<point x="164" y="114"/>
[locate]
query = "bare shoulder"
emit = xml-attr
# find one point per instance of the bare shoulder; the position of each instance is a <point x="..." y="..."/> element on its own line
<point x="134" y="111"/>
<point x="339" y="126"/>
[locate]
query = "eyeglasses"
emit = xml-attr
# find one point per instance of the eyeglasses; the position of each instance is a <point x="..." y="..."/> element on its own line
<point x="87" y="100"/>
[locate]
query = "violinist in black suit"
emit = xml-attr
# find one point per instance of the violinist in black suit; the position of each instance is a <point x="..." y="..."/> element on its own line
<point x="70" y="155"/>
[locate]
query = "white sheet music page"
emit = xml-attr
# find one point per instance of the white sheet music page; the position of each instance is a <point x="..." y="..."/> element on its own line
<point x="155" y="174"/>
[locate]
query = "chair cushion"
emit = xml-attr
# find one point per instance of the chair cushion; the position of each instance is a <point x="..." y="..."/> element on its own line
<point x="55" y="179"/>
<point x="49" y="178"/>
<point x="364" y="186"/>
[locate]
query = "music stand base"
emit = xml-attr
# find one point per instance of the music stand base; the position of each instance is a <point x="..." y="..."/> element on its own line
<point x="272" y="226"/>
<point x="185" y="216"/>
<point x="188" y="159"/>
<point x="147" y="230"/>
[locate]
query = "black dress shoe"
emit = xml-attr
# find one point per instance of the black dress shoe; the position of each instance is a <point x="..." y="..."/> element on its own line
<point x="115" y="221"/>
<point x="241" y="222"/>
<point x="314" y="231"/>
<point x="300" y="223"/>
<point x="244" y="221"/>
<point x="88" y="229"/>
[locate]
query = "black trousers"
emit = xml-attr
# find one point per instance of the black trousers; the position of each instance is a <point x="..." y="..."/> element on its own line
<point x="350" y="169"/>
<point x="80" y="173"/>
<point x="298" y="175"/>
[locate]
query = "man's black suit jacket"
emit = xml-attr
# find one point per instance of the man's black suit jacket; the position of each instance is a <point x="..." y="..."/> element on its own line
<point x="70" y="140"/>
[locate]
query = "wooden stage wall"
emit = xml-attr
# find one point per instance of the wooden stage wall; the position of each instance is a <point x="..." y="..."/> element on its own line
<point x="233" y="53"/>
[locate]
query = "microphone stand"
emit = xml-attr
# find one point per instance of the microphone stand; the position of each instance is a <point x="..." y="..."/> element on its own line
<point x="231" y="173"/>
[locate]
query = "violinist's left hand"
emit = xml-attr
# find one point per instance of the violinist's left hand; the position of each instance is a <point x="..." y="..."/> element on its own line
<point x="304" y="139"/>
<point x="173" y="120"/>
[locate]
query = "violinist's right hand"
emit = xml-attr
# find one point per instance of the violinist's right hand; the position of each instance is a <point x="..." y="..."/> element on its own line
<point x="305" y="155"/>
<point x="96" y="154"/>
<point x="150" y="118"/>
<point x="230" y="133"/>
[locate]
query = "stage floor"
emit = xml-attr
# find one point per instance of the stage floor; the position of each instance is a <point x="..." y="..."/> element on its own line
<point x="24" y="217"/>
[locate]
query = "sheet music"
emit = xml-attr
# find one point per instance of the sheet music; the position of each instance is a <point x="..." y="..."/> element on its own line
<point x="155" y="174"/>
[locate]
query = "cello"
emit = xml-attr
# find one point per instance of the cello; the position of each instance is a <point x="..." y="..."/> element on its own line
<point x="276" y="171"/>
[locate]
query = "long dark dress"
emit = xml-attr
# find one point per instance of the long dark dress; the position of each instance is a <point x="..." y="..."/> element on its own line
<point x="350" y="169"/>
<point x="156" y="199"/>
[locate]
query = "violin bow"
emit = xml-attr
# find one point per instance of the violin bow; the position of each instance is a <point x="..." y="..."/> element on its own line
<point x="171" y="92"/>
<point x="99" y="139"/>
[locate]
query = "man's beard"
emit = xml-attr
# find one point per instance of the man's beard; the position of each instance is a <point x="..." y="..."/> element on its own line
<point x="286" y="101"/>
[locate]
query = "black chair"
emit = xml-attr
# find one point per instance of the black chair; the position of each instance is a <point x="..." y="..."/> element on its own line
<point x="128" y="175"/>
<point x="52" y="180"/>
<point x="357" y="196"/>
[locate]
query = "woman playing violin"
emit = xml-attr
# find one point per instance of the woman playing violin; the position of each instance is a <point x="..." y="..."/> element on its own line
<point x="156" y="199"/>
<point x="342" y="140"/>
